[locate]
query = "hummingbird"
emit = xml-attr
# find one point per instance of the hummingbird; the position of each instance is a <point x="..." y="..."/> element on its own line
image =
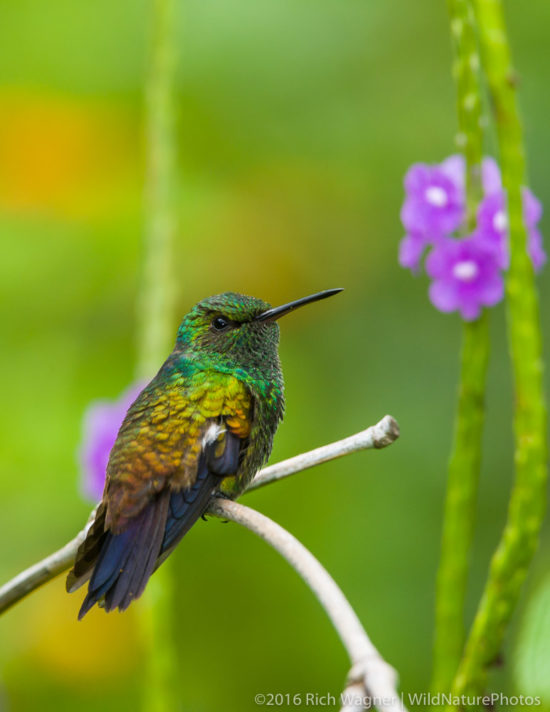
<point x="201" y="428"/>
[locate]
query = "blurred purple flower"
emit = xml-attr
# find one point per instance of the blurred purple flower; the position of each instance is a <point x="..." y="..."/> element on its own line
<point x="454" y="168"/>
<point x="535" y="248"/>
<point x="466" y="272"/>
<point x="411" y="249"/>
<point x="492" y="222"/>
<point x="466" y="276"/>
<point x="532" y="208"/>
<point x="490" y="176"/>
<point x="101" y="424"/>
<point x="434" y="203"/>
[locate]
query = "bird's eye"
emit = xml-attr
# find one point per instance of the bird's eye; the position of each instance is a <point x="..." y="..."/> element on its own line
<point x="220" y="324"/>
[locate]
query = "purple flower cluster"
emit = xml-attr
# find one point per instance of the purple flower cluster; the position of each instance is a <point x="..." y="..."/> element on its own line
<point x="101" y="424"/>
<point x="466" y="273"/>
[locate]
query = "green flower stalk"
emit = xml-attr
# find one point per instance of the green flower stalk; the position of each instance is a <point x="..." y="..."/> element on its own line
<point x="527" y="502"/>
<point x="156" y="301"/>
<point x="464" y="464"/>
<point x="156" y="323"/>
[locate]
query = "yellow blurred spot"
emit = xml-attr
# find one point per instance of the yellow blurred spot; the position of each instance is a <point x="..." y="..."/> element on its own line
<point x="61" y="156"/>
<point x="99" y="647"/>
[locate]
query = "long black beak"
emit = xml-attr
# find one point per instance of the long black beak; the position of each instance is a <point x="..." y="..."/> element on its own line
<point x="277" y="312"/>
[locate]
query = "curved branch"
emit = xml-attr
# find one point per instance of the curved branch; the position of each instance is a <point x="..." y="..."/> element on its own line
<point x="384" y="433"/>
<point x="377" y="678"/>
<point x="377" y="436"/>
<point x="35" y="576"/>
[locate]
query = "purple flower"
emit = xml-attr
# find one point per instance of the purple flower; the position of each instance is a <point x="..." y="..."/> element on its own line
<point x="490" y="176"/>
<point x="466" y="273"/>
<point x="535" y="248"/>
<point x="492" y="225"/>
<point x="455" y="168"/>
<point x="101" y="424"/>
<point x="411" y="249"/>
<point x="492" y="221"/>
<point x="434" y="204"/>
<point x="466" y="276"/>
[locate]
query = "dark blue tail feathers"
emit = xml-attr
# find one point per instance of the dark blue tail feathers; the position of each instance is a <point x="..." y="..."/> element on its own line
<point x="119" y="565"/>
<point x="127" y="560"/>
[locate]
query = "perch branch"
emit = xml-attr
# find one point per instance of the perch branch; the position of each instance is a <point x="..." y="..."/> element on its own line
<point x="381" y="435"/>
<point x="32" y="578"/>
<point x="377" y="436"/>
<point x="377" y="678"/>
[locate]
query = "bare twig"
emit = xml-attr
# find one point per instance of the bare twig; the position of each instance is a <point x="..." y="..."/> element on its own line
<point x="370" y="673"/>
<point x="377" y="436"/>
<point x="353" y="697"/>
<point x="381" y="435"/>
<point x="42" y="572"/>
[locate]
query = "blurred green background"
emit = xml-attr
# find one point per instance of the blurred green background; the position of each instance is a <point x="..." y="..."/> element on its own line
<point x="296" y="123"/>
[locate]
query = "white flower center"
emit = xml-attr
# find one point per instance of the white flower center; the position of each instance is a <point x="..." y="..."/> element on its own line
<point x="436" y="196"/>
<point x="500" y="221"/>
<point x="466" y="270"/>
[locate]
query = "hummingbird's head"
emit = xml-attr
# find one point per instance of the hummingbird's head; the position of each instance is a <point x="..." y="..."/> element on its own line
<point x="224" y="330"/>
<point x="236" y="331"/>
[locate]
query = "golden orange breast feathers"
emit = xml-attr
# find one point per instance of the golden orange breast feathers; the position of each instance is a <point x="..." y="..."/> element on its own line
<point x="162" y="436"/>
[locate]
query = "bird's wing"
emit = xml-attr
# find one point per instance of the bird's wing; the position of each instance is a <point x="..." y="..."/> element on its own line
<point x="175" y="446"/>
<point x="164" y="434"/>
